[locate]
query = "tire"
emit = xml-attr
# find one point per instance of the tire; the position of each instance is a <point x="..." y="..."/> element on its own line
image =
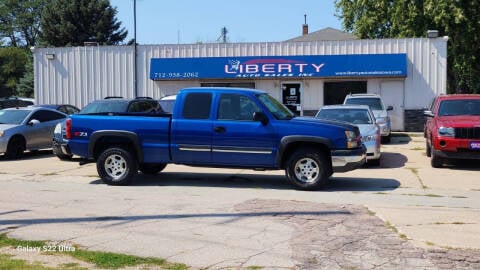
<point x="428" y="149"/>
<point x="435" y="161"/>
<point x="307" y="169"/>
<point x="151" y="168"/>
<point x="374" y="162"/>
<point x="116" y="166"/>
<point x="15" y="148"/>
<point x="386" y="139"/>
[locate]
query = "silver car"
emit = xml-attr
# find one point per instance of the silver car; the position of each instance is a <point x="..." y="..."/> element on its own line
<point x="380" y="111"/>
<point x="28" y="128"/>
<point x="362" y="116"/>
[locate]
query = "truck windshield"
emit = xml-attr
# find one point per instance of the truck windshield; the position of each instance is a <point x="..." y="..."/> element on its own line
<point x="459" y="107"/>
<point x="277" y="109"/>
<point x="374" y="103"/>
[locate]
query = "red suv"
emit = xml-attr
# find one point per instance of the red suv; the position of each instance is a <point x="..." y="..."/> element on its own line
<point x="452" y="130"/>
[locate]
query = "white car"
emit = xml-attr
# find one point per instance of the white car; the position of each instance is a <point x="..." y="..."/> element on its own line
<point x="378" y="108"/>
<point x="361" y="116"/>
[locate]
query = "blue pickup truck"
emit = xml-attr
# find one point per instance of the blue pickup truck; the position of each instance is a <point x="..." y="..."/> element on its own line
<point x="217" y="127"/>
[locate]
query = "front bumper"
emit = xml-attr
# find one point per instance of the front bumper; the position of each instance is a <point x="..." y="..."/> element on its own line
<point x="454" y="148"/>
<point x="373" y="149"/>
<point x="462" y="154"/>
<point x="348" y="160"/>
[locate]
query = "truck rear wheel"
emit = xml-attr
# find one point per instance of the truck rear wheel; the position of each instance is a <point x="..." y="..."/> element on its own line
<point x="116" y="166"/>
<point x="307" y="169"/>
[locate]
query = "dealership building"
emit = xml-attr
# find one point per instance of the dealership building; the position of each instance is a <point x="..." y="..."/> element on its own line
<point x="304" y="73"/>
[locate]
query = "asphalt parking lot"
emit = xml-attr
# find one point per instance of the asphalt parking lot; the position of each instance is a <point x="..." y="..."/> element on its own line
<point x="403" y="214"/>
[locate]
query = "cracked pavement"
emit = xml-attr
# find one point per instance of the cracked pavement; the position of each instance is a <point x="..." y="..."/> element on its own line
<point x="401" y="215"/>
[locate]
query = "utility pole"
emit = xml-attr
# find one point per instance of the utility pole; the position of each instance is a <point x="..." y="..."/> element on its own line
<point x="135" y="47"/>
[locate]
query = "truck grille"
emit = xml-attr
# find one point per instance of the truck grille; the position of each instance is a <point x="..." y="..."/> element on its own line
<point x="467" y="133"/>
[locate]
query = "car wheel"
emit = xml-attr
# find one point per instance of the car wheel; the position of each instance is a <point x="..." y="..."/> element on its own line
<point x="374" y="162"/>
<point x="15" y="148"/>
<point x="116" y="166"/>
<point x="436" y="161"/>
<point x="428" y="149"/>
<point x="307" y="169"/>
<point x="151" y="168"/>
<point x="386" y="139"/>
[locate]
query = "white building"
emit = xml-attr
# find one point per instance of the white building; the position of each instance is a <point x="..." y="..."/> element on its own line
<point x="303" y="73"/>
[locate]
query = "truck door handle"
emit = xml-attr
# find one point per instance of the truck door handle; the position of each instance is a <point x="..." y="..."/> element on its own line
<point x="220" y="129"/>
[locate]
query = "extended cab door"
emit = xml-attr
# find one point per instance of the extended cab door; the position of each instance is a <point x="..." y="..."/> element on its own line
<point x="237" y="139"/>
<point x="191" y="141"/>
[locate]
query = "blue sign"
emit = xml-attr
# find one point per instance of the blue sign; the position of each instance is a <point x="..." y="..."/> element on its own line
<point x="264" y="67"/>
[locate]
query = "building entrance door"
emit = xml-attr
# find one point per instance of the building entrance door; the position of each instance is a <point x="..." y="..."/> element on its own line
<point x="292" y="97"/>
<point x="392" y="93"/>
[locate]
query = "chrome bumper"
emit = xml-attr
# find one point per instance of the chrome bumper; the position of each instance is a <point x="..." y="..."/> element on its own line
<point x="348" y="160"/>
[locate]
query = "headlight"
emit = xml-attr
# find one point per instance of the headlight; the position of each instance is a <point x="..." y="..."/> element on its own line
<point x="446" y="131"/>
<point x="381" y="120"/>
<point x="352" y="139"/>
<point x="58" y="128"/>
<point x="2" y="133"/>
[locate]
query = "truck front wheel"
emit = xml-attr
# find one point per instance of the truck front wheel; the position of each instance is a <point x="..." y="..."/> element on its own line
<point x="307" y="169"/>
<point x="116" y="166"/>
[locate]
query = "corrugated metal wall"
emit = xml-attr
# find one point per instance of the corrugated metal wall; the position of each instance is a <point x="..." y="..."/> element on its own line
<point x="80" y="74"/>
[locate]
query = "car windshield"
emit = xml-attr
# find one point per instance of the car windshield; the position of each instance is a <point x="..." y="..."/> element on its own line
<point x="373" y="103"/>
<point x="459" y="107"/>
<point x="354" y="116"/>
<point x="13" y="117"/>
<point x="277" y="109"/>
<point x="104" y="107"/>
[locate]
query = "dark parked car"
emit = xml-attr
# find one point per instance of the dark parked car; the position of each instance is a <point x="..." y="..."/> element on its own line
<point x="15" y="102"/>
<point x="27" y="128"/>
<point x="109" y="105"/>
<point x="65" y="108"/>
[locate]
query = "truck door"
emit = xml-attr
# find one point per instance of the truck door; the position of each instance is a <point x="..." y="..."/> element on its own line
<point x="191" y="141"/>
<point x="237" y="139"/>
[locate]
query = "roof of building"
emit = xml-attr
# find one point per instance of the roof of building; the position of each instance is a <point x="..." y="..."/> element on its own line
<point x="324" y="34"/>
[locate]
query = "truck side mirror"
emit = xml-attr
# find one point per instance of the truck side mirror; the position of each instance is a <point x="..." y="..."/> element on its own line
<point x="390" y="108"/>
<point x="428" y="113"/>
<point x="260" y="117"/>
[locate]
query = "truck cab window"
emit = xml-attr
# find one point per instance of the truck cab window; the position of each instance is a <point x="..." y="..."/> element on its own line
<point x="197" y="106"/>
<point x="236" y="107"/>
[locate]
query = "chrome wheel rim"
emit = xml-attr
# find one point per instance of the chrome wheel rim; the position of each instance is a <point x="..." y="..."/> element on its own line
<point x="116" y="166"/>
<point x="307" y="170"/>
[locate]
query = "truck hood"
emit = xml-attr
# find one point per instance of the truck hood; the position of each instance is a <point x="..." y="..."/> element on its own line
<point x="316" y="121"/>
<point x="459" y="121"/>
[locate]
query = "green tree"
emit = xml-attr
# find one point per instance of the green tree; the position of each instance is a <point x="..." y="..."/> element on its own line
<point x="73" y="22"/>
<point x="460" y="20"/>
<point x="20" y="21"/>
<point x="25" y="86"/>
<point x="12" y="66"/>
